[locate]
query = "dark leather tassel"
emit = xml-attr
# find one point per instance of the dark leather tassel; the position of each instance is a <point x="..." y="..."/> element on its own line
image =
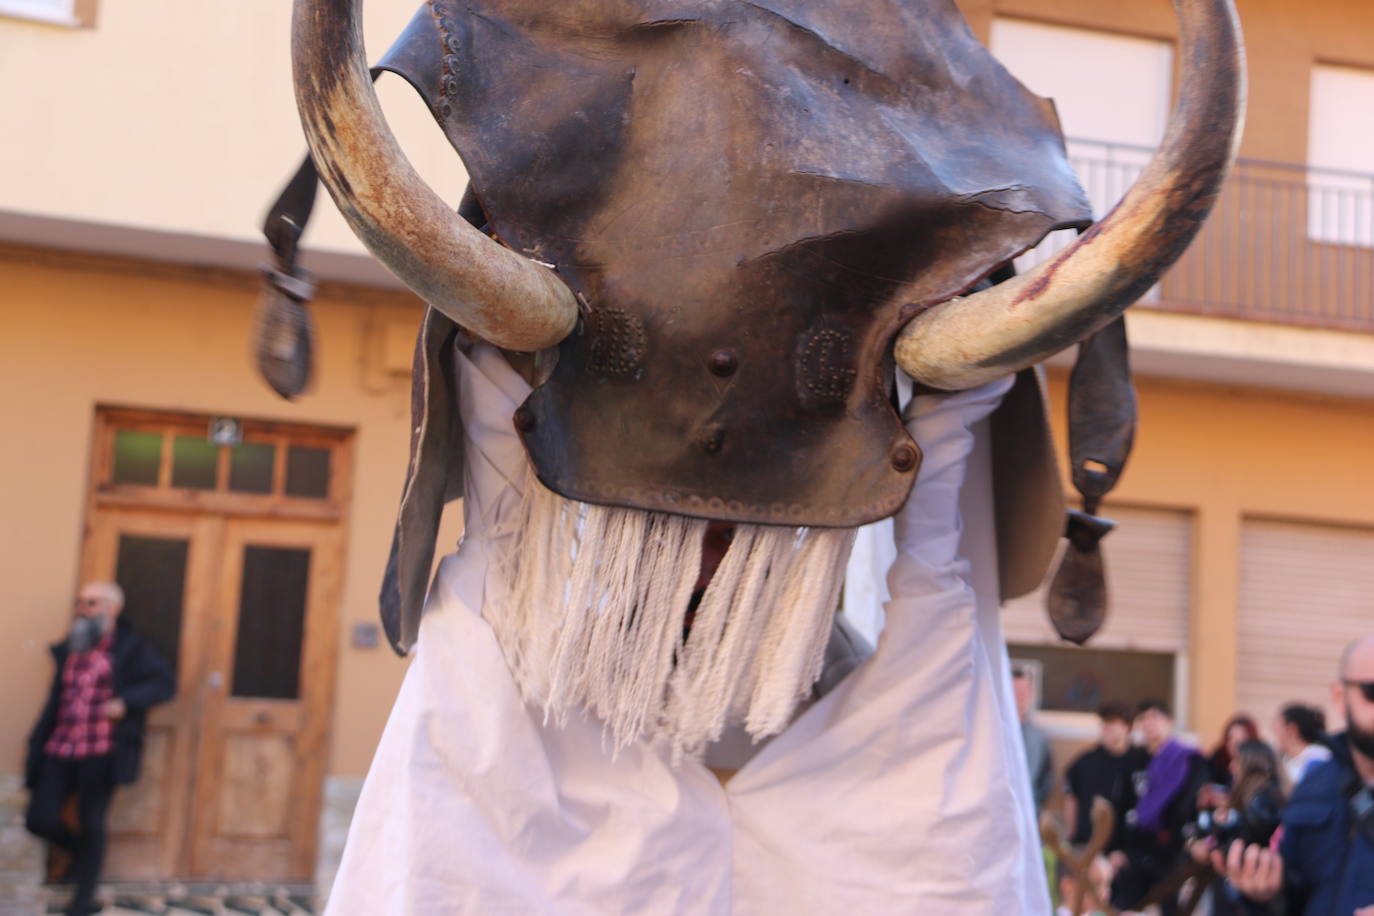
<point x="284" y="339"/>
<point x="1102" y="420"/>
<point x="1077" y="601"/>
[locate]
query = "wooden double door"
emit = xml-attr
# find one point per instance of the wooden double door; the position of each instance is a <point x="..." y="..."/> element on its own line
<point x="245" y="608"/>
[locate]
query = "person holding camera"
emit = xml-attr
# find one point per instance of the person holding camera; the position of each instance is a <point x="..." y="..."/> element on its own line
<point x="1324" y="863"/>
<point x="1249" y="814"/>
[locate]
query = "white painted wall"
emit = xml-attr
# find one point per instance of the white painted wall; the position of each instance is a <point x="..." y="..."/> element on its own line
<point x="177" y="116"/>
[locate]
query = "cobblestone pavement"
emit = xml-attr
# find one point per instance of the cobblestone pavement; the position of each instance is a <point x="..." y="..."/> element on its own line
<point x="181" y="900"/>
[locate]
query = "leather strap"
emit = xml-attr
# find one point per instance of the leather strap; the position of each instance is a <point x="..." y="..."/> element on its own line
<point x="1102" y="421"/>
<point x="284" y="339"/>
<point x="434" y="474"/>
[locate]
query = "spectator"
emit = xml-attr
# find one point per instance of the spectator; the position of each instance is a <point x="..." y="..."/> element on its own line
<point x="1254" y="809"/>
<point x="1324" y="863"/>
<point x="1239" y="727"/>
<point x="1110" y="770"/>
<point x="1257" y="795"/>
<point x="1167" y="803"/>
<point x="1300" y="731"/>
<point x="90" y="734"/>
<point x="1037" y="743"/>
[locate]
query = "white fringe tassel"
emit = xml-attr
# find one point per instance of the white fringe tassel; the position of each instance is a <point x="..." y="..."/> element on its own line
<point x="598" y="603"/>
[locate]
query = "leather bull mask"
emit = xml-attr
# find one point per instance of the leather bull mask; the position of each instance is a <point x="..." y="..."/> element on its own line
<point x="732" y="219"/>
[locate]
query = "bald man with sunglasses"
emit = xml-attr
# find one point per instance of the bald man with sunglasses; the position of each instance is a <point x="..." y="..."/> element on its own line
<point x="1324" y="863"/>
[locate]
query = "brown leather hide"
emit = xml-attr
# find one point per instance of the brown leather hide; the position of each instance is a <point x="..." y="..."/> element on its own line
<point x="750" y="199"/>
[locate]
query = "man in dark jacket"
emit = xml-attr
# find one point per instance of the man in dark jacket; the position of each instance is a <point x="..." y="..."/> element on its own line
<point x="1111" y="770"/>
<point x="1325" y="860"/>
<point x="89" y="736"/>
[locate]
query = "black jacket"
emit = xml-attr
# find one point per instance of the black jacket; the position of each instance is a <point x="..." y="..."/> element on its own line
<point x="142" y="679"/>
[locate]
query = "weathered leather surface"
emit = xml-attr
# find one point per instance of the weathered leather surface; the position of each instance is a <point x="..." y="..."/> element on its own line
<point x="1028" y="497"/>
<point x="1102" y="421"/>
<point x="434" y="476"/>
<point x="750" y="199"/>
<point x="1102" y="412"/>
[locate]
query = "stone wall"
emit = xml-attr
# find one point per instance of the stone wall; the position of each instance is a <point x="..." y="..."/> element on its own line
<point x="21" y="856"/>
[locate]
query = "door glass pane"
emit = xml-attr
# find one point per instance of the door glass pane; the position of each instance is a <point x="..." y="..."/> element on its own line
<point x="194" y="462"/>
<point x="250" y="467"/>
<point x="307" y="472"/>
<point x="136" y="457"/>
<point x="152" y="572"/>
<point x="267" y="651"/>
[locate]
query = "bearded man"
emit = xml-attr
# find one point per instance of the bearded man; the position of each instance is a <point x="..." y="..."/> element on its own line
<point x="89" y="737"/>
<point x="1324" y="862"/>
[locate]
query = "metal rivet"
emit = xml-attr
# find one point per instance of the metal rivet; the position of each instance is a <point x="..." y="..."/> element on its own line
<point x="903" y="458"/>
<point x="712" y="442"/>
<point x="723" y="363"/>
<point x="523" y="419"/>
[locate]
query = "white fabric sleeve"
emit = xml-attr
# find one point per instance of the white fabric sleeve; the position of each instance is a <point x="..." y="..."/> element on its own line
<point x="908" y="781"/>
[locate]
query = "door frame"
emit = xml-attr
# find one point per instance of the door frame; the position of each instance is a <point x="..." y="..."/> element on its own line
<point x="204" y="517"/>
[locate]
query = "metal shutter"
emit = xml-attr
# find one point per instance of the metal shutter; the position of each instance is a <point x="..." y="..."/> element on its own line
<point x="1305" y="591"/>
<point x="1148" y="567"/>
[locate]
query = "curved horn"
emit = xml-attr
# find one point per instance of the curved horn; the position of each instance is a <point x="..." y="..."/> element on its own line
<point x="489" y="289"/>
<point x="973" y="340"/>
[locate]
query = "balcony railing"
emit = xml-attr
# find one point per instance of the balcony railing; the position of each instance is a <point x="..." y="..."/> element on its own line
<point x="1286" y="243"/>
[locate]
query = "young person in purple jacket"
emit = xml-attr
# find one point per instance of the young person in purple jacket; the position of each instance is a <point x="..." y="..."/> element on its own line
<point x="1168" y="801"/>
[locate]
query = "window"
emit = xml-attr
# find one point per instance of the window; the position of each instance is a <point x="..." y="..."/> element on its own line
<point x="152" y="571"/>
<point x="1114" y="122"/>
<point x="182" y="461"/>
<point x="57" y="12"/>
<point x="1128" y="106"/>
<point x="271" y="632"/>
<point x="1340" y="185"/>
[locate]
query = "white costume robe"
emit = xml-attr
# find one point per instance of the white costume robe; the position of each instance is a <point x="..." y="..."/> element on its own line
<point x="903" y="790"/>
